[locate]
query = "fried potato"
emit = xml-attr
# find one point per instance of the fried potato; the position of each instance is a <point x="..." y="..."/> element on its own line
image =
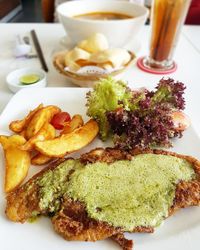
<point x="23" y="133"/>
<point x="46" y="132"/>
<point x="17" y="161"/>
<point x="40" y="159"/>
<point x="11" y="141"/>
<point x="19" y="125"/>
<point x="41" y="117"/>
<point x="68" y="143"/>
<point x="17" y="165"/>
<point x="76" y="122"/>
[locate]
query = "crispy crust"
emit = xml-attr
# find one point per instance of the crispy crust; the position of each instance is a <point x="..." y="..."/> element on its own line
<point x="72" y="221"/>
<point x="122" y="241"/>
<point x="187" y="194"/>
<point x="24" y="201"/>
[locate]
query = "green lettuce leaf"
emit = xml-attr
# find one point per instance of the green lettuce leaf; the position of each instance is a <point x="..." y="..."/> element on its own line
<point x="107" y="95"/>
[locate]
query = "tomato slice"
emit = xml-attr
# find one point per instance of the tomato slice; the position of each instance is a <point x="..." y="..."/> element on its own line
<point x="181" y="120"/>
<point x="60" y="119"/>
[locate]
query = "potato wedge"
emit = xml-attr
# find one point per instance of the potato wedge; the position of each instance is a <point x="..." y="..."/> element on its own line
<point x="76" y="122"/>
<point x="17" y="161"/>
<point x="23" y="133"/>
<point x="19" y="125"/>
<point x="11" y="141"/>
<point x="17" y="165"/>
<point x="46" y="132"/>
<point x="40" y="159"/>
<point x="41" y="117"/>
<point x="71" y="142"/>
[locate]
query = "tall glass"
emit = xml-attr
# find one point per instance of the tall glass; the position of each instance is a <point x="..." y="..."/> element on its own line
<point x="167" y="18"/>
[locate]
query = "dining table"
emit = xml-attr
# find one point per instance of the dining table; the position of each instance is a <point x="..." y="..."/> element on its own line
<point x="53" y="38"/>
<point x="192" y="33"/>
<point x="187" y="57"/>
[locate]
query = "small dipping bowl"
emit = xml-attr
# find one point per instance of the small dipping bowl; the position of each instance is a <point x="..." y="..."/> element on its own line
<point x="13" y="79"/>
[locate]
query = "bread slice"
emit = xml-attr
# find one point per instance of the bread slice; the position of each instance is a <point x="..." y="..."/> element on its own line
<point x="72" y="220"/>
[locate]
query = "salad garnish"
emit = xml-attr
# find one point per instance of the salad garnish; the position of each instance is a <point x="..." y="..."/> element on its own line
<point x="137" y="118"/>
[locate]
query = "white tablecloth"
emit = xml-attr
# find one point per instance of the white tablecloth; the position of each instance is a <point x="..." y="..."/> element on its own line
<point x="192" y="33"/>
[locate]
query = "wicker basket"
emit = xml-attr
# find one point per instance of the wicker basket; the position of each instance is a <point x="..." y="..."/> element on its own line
<point x="86" y="80"/>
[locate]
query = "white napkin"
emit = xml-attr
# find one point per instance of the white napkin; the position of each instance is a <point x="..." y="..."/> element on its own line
<point x="93" y="70"/>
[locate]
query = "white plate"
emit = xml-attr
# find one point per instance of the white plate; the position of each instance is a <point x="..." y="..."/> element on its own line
<point x="181" y="231"/>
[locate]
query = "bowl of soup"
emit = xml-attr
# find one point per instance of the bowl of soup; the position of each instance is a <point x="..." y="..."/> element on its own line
<point x="119" y="21"/>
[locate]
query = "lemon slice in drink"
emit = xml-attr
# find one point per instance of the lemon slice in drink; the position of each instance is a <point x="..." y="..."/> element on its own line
<point x="29" y="79"/>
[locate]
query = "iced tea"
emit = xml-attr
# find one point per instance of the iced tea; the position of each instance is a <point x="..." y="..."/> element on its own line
<point x="166" y="21"/>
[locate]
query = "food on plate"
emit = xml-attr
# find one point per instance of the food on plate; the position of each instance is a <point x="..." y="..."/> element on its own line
<point x="106" y="96"/>
<point x="29" y="79"/>
<point x="95" y="43"/>
<point x="17" y="166"/>
<point x="41" y="125"/>
<point x="46" y="132"/>
<point x="20" y="125"/>
<point x="181" y="120"/>
<point x="90" y="199"/>
<point x="138" y="118"/>
<point x="42" y="116"/>
<point x="11" y="141"/>
<point x="40" y="159"/>
<point x="95" y="51"/>
<point x="76" y="122"/>
<point x="17" y="161"/>
<point x="70" y="126"/>
<point x="60" y="120"/>
<point x="23" y="133"/>
<point x="68" y="143"/>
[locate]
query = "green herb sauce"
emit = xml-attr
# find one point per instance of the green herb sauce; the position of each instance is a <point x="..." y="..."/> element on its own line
<point x="53" y="185"/>
<point x="125" y="193"/>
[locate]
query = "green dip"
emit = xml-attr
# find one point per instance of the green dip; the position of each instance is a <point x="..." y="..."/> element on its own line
<point x="125" y="193"/>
